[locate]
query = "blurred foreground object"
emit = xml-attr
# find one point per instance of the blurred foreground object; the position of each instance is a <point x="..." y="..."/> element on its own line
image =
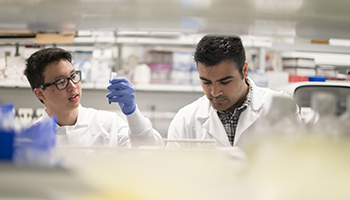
<point x="25" y="145"/>
<point x="305" y="167"/>
<point x="282" y="119"/>
<point x="291" y="161"/>
<point x="150" y="174"/>
<point x="8" y="130"/>
<point x="302" y="93"/>
<point x="39" y="182"/>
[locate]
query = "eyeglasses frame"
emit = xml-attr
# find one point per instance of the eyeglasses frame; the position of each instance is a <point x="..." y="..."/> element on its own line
<point x="45" y="85"/>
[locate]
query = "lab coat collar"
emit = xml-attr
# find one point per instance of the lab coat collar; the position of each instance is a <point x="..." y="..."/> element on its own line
<point x="82" y="119"/>
<point x="247" y="118"/>
<point x="251" y="114"/>
<point x="45" y="116"/>
<point x="211" y="122"/>
<point x="256" y="101"/>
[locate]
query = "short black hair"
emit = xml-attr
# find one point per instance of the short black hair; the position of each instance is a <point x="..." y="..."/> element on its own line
<point x="38" y="61"/>
<point x="213" y="49"/>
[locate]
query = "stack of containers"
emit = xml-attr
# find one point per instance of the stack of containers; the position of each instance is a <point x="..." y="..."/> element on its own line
<point x="161" y="65"/>
<point x="184" y="68"/>
<point x="82" y="61"/>
<point x="301" y="69"/>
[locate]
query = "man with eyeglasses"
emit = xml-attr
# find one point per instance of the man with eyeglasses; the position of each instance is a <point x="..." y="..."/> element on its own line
<point x="56" y="84"/>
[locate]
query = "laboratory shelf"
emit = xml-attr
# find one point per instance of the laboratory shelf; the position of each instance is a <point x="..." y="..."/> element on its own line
<point x="18" y="84"/>
<point x="103" y="86"/>
<point x="169" y="87"/>
<point x="150" y="87"/>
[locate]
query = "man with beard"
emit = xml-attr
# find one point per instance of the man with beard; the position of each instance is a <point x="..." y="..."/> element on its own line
<point x="232" y="102"/>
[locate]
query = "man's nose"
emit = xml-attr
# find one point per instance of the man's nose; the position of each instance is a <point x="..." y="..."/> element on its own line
<point x="71" y="84"/>
<point x="216" y="90"/>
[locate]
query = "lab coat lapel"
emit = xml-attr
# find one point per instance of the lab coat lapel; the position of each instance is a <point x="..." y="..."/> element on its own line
<point x="247" y="118"/>
<point x="211" y="122"/>
<point x="251" y="114"/>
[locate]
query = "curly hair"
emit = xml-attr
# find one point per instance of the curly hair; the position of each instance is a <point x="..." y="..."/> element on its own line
<point x="213" y="49"/>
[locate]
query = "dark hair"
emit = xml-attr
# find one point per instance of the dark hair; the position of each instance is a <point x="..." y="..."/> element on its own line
<point x="38" y="61"/>
<point x="213" y="49"/>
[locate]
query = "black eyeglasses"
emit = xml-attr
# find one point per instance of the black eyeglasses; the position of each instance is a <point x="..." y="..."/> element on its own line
<point x="62" y="83"/>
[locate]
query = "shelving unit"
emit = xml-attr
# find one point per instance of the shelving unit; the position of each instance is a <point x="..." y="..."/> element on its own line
<point x="159" y="102"/>
<point x="103" y="86"/>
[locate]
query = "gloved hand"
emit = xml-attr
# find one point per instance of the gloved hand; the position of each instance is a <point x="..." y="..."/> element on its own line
<point x="123" y="92"/>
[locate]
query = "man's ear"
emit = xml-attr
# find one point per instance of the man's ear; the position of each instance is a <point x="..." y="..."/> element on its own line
<point x="39" y="93"/>
<point x="245" y="70"/>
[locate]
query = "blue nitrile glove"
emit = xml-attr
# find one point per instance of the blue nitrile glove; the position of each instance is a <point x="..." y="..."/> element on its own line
<point x="123" y="92"/>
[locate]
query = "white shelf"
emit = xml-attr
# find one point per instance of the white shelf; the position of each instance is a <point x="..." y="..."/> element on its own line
<point x="150" y="87"/>
<point x="169" y="87"/>
<point x="103" y="86"/>
<point x="10" y="84"/>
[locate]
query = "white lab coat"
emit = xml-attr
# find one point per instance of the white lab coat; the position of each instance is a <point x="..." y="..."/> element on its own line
<point x="104" y="128"/>
<point x="199" y="120"/>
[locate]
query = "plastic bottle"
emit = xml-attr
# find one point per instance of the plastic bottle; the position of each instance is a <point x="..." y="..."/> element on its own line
<point x="142" y="74"/>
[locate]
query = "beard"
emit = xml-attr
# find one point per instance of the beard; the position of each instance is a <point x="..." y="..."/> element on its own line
<point x="219" y="102"/>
